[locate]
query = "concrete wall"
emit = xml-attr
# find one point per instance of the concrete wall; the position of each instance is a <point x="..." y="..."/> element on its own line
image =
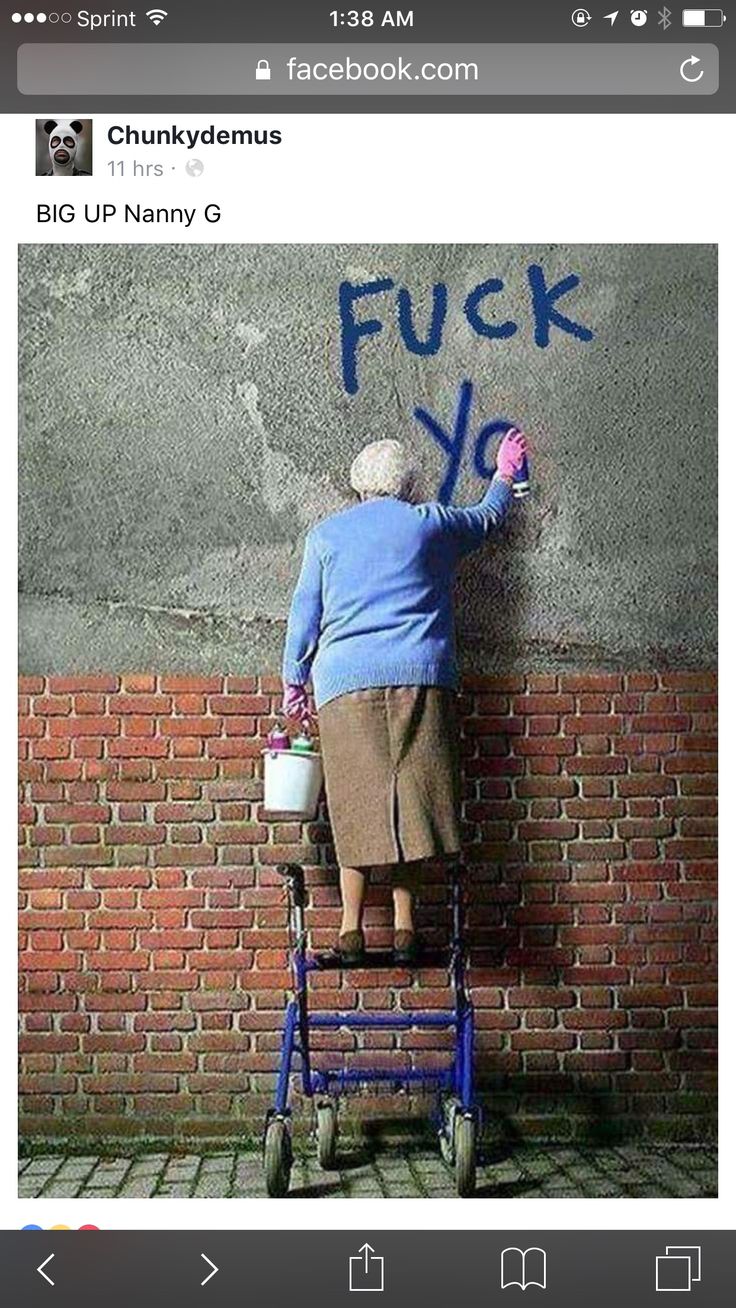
<point x="183" y="421"/>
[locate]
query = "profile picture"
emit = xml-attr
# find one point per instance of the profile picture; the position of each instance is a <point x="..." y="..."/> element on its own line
<point x="63" y="147"/>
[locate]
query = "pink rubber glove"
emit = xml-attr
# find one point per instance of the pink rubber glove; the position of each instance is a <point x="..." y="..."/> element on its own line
<point x="511" y="453"/>
<point x="296" y="702"/>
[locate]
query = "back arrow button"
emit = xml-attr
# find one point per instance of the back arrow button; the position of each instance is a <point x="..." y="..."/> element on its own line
<point x="41" y="1266"/>
<point x="209" y="1275"/>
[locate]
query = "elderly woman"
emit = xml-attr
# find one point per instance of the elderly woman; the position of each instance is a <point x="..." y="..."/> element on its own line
<point x="371" y="622"/>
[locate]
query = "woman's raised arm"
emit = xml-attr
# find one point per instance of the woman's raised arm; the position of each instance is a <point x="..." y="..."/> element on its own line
<point x="305" y="617"/>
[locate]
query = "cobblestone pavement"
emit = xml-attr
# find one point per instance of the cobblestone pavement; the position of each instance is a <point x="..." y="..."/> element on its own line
<point x="538" y="1171"/>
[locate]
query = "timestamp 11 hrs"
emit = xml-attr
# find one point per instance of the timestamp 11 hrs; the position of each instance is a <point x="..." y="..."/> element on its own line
<point x="132" y="168"/>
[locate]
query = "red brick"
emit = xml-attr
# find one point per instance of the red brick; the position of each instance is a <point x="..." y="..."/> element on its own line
<point x="194" y="705"/>
<point x="541" y="726"/>
<point x="691" y="763"/>
<point x="51" y="705"/>
<point x="84" y="726"/>
<point x="135" y="747"/>
<point x="191" y="685"/>
<point x="689" y="681"/>
<point x="542" y="745"/>
<point x="541" y="682"/>
<point x="640" y="681"/>
<point x="650" y="997"/>
<point x="89" y="704"/>
<point x="595" y="703"/>
<point x="99" y="685"/>
<point x="138" y="683"/>
<point x="645" y="785"/>
<point x="630" y="828"/>
<point x="661" y="722"/>
<point x="700" y="848"/>
<point x="493" y="704"/>
<point x="594" y="808"/>
<point x="595" y="766"/>
<point x="530" y="787"/>
<point x="30" y="685"/>
<point x="140" y="704"/>
<point x="533" y="704"/>
<point x="58" y="960"/>
<point x="547" y="830"/>
<point x="240" y="705"/>
<point x="77" y="812"/>
<point x="191" y="726"/>
<point x="594" y="682"/>
<point x="135" y="833"/>
<point x="582" y="724"/>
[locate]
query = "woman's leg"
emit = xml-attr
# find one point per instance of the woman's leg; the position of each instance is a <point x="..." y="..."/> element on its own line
<point x="405" y="882"/>
<point x="352" y="893"/>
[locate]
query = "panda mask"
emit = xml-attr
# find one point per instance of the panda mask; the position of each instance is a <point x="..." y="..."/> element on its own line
<point x="63" y="145"/>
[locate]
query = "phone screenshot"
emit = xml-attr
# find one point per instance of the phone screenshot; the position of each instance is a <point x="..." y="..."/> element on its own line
<point x="360" y="498"/>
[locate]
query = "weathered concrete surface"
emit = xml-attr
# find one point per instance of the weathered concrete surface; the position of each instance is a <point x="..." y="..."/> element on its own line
<point x="183" y="421"/>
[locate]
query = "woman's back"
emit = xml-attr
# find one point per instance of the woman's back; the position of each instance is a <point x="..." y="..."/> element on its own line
<point x="386" y="598"/>
<point x="373" y="604"/>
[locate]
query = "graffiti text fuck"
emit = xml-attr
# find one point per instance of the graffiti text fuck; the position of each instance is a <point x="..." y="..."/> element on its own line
<point x="545" y="313"/>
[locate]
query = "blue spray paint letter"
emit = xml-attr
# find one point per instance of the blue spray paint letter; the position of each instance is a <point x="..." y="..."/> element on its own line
<point x="406" y="322"/>
<point x="454" y="445"/>
<point x="543" y="300"/>
<point x="479" y="325"/>
<point x="351" y="331"/>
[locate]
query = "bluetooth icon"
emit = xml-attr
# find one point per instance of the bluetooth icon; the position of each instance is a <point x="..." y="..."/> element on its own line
<point x="665" y="18"/>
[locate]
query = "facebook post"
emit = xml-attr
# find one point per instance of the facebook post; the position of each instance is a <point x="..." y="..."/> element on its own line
<point x="367" y="617"/>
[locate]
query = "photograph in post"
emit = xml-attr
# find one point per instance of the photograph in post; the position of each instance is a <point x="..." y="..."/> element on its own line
<point x="368" y="630"/>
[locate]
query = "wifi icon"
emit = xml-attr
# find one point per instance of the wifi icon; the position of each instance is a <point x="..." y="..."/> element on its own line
<point x="156" y="16"/>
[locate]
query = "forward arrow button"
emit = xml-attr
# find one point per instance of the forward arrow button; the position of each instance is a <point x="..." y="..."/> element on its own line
<point x="209" y="1275"/>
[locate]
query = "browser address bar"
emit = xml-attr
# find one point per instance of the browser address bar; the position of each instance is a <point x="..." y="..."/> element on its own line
<point x="506" y="69"/>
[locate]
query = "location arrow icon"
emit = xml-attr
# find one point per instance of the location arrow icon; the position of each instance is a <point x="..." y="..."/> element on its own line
<point x="209" y="1275"/>
<point x="41" y="1266"/>
<point x="612" y="17"/>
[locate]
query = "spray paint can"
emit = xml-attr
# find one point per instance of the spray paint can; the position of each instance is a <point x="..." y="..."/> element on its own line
<point x="520" y="486"/>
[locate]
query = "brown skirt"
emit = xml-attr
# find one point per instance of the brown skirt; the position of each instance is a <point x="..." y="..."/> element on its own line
<point x="392" y="774"/>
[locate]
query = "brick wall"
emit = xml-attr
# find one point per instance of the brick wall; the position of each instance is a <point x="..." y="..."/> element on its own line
<point x="153" y="966"/>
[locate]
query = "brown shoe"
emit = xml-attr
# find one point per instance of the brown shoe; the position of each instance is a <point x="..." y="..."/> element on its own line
<point x="406" y="948"/>
<point x="351" y="948"/>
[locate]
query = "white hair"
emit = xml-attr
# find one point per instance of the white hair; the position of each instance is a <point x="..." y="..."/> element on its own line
<point x="383" y="468"/>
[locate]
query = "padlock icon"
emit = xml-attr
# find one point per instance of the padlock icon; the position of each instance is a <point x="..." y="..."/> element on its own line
<point x="263" y="70"/>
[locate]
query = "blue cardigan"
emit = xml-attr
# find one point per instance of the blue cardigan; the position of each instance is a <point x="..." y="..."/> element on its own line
<point x="373" y="603"/>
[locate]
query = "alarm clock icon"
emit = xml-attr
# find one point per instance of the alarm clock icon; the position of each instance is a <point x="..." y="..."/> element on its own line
<point x="638" y="17"/>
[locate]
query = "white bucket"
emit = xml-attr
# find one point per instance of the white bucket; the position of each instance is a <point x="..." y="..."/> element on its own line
<point x="292" y="782"/>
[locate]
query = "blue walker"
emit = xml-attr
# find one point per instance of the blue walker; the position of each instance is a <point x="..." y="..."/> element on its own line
<point x="457" y="1113"/>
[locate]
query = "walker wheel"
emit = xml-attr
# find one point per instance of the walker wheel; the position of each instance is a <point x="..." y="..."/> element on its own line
<point x="327" y="1133"/>
<point x="465" y="1155"/>
<point x="277" y="1158"/>
<point x="447" y="1133"/>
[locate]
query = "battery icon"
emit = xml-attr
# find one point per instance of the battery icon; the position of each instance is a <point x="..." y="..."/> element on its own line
<point x="703" y="18"/>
